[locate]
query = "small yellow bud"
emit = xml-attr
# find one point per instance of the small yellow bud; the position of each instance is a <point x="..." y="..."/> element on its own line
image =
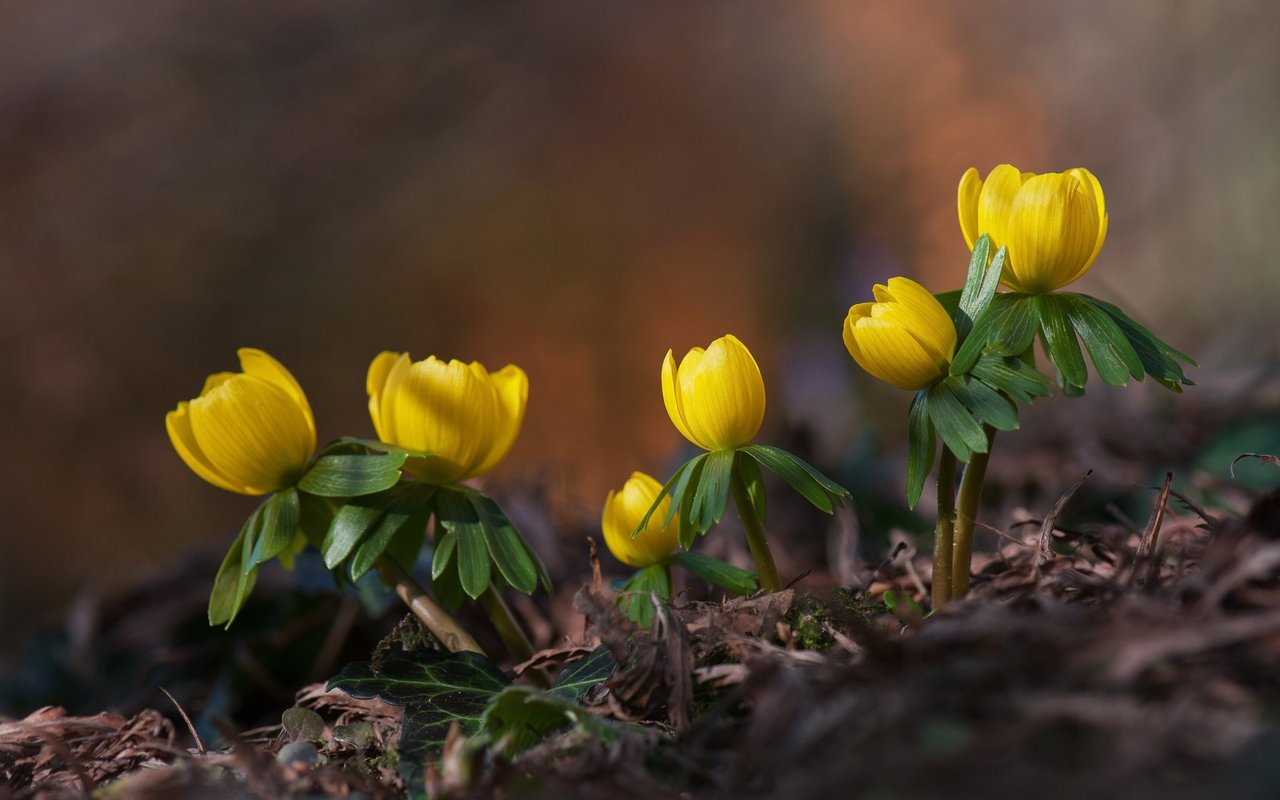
<point x="1053" y="225"/>
<point x="715" y="396"/>
<point x="249" y="432"/>
<point x="623" y="511"/>
<point x="905" y="338"/>
<point x="464" y="416"/>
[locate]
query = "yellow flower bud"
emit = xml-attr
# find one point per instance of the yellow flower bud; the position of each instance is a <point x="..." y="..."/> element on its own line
<point x="623" y="511"/>
<point x="716" y="396"/>
<point x="249" y="432"/>
<point x="465" y="417"/>
<point x="905" y="338"/>
<point x="1053" y="225"/>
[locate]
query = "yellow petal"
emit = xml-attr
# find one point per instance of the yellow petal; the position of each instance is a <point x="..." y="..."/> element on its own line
<point x="1053" y="232"/>
<point x="673" y="399"/>
<point x="924" y="317"/>
<point x="890" y="353"/>
<point x="510" y="386"/>
<point x="375" y="381"/>
<point x="995" y="203"/>
<point x="1088" y="179"/>
<point x="215" y="380"/>
<point x="722" y="393"/>
<point x="440" y="408"/>
<point x="259" y="364"/>
<point x="253" y="432"/>
<point x="623" y="511"/>
<point x="967" y="204"/>
<point x="178" y="424"/>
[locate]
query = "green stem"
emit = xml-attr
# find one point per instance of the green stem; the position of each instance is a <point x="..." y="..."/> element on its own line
<point x="944" y="533"/>
<point x="966" y="514"/>
<point x="438" y="621"/>
<point x="766" y="572"/>
<point x="512" y="635"/>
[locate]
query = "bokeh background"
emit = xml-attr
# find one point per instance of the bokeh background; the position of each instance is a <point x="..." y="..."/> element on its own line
<point x="574" y="187"/>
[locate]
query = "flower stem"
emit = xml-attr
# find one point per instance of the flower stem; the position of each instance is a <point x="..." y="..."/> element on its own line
<point x="438" y="621"/>
<point x="966" y="514"/>
<point x="509" y="630"/>
<point x="766" y="572"/>
<point x="944" y="533"/>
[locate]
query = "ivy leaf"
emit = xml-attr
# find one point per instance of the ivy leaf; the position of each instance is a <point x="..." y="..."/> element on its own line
<point x="733" y="579"/>
<point x="520" y="717"/>
<point x="352" y="475"/>
<point x="576" y="678"/>
<point x="436" y="690"/>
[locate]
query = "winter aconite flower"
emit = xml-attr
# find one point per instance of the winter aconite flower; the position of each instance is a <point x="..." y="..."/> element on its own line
<point x="715" y="396"/>
<point x="905" y="338"/>
<point x="1053" y="225"/>
<point x="249" y="432"/>
<point x="623" y="511"/>
<point x="463" y="416"/>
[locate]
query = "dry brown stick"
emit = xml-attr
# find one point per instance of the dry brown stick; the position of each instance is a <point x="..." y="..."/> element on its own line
<point x="1151" y="536"/>
<point x="1044" y="551"/>
<point x="186" y="719"/>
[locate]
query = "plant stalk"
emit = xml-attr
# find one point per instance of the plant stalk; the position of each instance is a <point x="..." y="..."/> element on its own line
<point x="443" y="626"/>
<point x="944" y="533"/>
<point x="966" y="514"/>
<point x="512" y="635"/>
<point x="766" y="572"/>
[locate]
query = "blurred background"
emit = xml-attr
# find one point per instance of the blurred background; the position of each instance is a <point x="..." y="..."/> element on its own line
<point x="574" y="187"/>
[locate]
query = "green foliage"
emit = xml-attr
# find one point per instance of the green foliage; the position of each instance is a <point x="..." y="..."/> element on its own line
<point x="437" y="690"/>
<point x="818" y="489"/>
<point x="352" y="475"/>
<point x="268" y="532"/>
<point x="733" y="579"/>
<point x="634" y="597"/>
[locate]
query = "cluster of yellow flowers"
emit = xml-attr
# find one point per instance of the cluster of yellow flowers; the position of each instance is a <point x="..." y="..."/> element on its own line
<point x="253" y="432"/>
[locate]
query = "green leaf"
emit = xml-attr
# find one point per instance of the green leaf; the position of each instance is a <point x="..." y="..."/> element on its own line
<point x="986" y="403"/>
<point x="817" y="488"/>
<point x="379" y="447"/>
<point x="410" y="508"/>
<point x="714" y="571"/>
<point x="232" y="584"/>
<point x="436" y="690"/>
<point x="1013" y="377"/>
<point x="361" y="517"/>
<point x="457" y="514"/>
<point x="712" y="492"/>
<point x="1113" y="357"/>
<point x="1006" y="328"/>
<point x="979" y="287"/>
<point x="681" y="497"/>
<point x="576" y="678"/>
<point x="522" y="716"/>
<point x="446" y="545"/>
<point x="508" y="550"/>
<point x="922" y="446"/>
<point x="1158" y="359"/>
<point x="315" y="517"/>
<point x="953" y="422"/>
<point x="633" y="598"/>
<point x="664" y="492"/>
<point x="1060" y="339"/>
<point x="352" y="475"/>
<point x="755" y="487"/>
<point x="950" y="301"/>
<point x="281" y="513"/>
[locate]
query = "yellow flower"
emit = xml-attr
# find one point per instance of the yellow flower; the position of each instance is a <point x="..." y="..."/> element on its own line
<point x="1052" y="224"/>
<point x="249" y="432"/>
<point x="465" y="417"/>
<point x="904" y="338"/>
<point x="716" y="396"/>
<point x="623" y="511"/>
